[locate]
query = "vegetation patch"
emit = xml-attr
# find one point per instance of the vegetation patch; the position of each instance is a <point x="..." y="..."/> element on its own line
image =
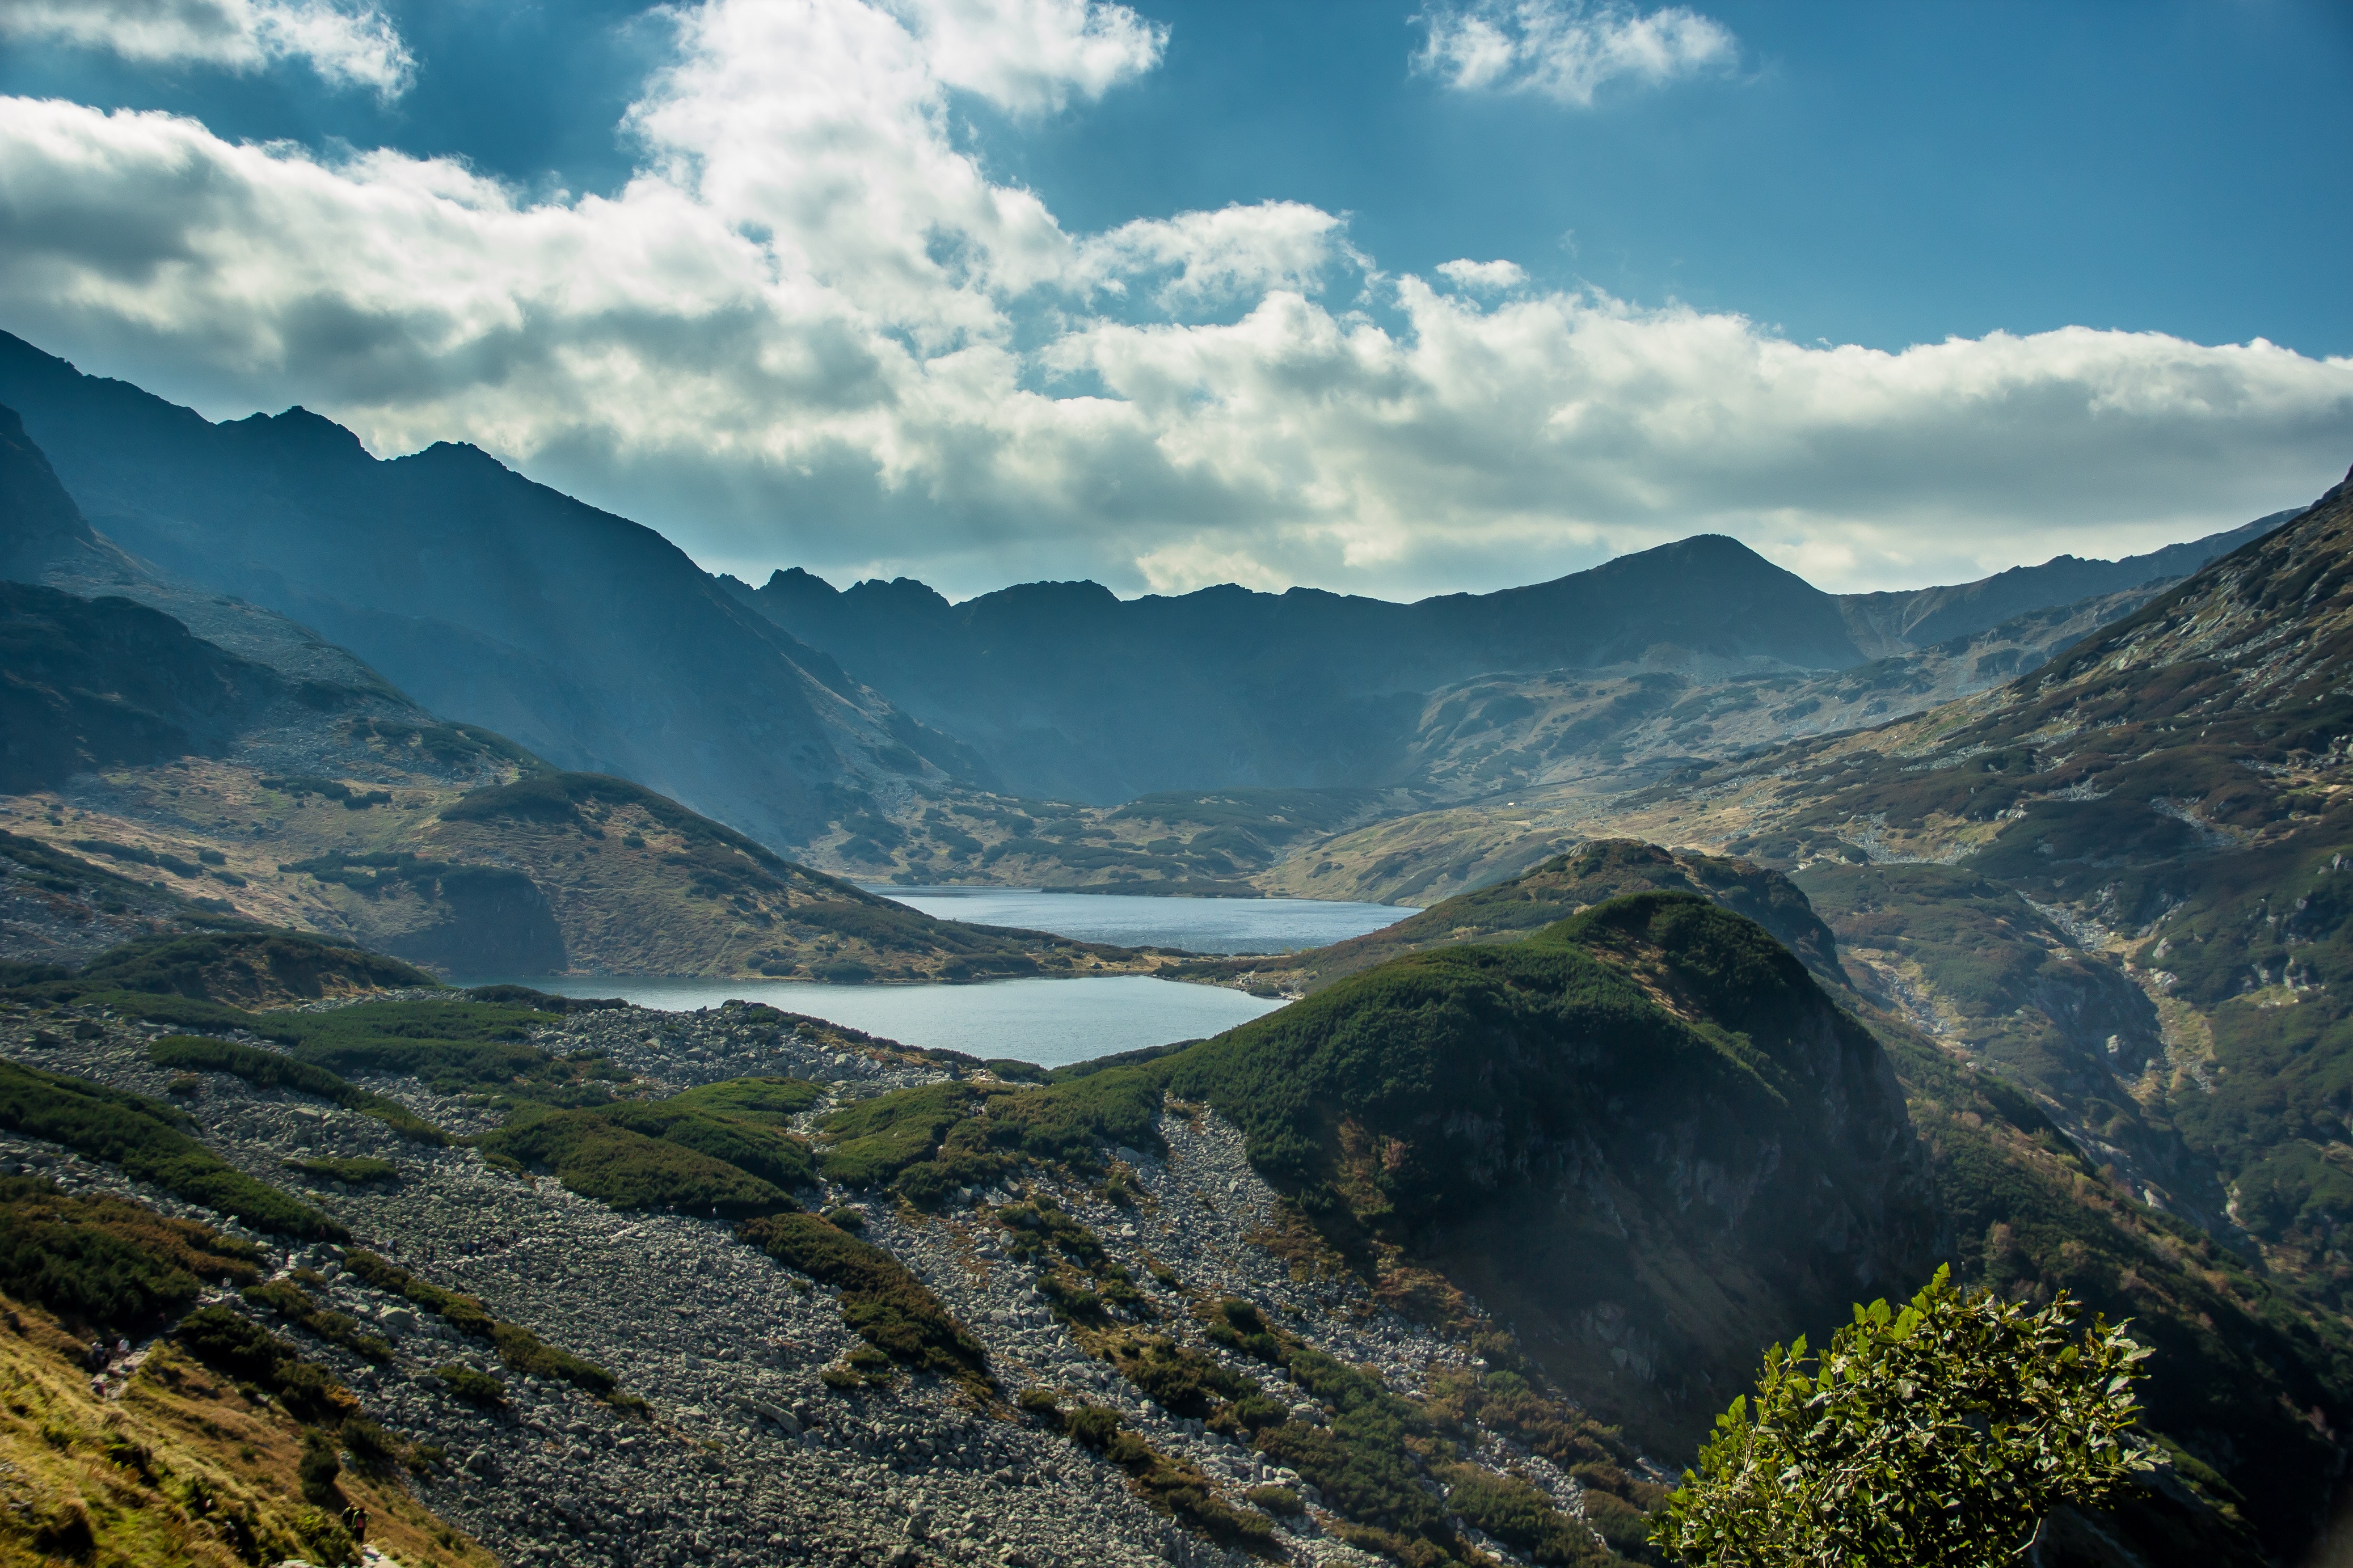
<point x="107" y="1263"/>
<point x="1168" y="1485"/>
<point x="522" y="1350"/>
<point x="599" y="1156"/>
<point x="291" y="1302"/>
<point x="249" y="967"/>
<point x="884" y="1304"/>
<point x="143" y="1137"/>
<point x="237" y="1347"/>
<point x="274" y="1069"/>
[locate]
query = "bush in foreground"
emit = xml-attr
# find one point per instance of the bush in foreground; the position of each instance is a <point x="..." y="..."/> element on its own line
<point x="1938" y="1436"/>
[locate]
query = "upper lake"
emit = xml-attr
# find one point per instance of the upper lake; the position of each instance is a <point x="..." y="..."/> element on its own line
<point x="1129" y="919"/>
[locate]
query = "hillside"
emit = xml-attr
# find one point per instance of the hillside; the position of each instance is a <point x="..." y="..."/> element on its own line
<point x="2113" y="879"/>
<point x="1593" y="873"/>
<point x="1437" y="1227"/>
<point x="590" y="640"/>
<point x="157" y="780"/>
<point x="2019" y="1201"/>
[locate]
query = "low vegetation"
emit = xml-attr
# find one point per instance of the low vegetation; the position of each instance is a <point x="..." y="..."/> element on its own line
<point x="1940" y="1435"/>
<point x="522" y="1351"/>
<point x="884" y="1304"/>
<point x="600" y="1157"/>
<point x="107" y="1265"/>
<point x="144" y="1138"/>
<point x="274" y="1069"/>
<point x="1174" y="1488"/>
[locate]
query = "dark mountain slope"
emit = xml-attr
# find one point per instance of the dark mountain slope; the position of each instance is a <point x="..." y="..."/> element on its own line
<point x="1923" y="616"/>
<point x="2161" y="811"/>
<point x="299" y="789"/>
<point x="1070" y="692"/>
<point x="2015" y="1200"/>
<point x="1640" y="1135"/>
<point x="590" y="639"/>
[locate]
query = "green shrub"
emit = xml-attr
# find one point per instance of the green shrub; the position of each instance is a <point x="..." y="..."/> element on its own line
<point x="143" y="1136"/>
<point x="1939" y="1434"/>
<point x="317" y="1470"/>
<point x="290" y="1301"/>
<point x="104" y="1262"/>
<point x="273" y="1069"/>
<point x="1276" y="1499"/>
<point x="881" y="1301"/>
<point x="772" y="1100"/>
<point x="597" y="1158"/>
<point x="250" y="1353"/>
<point x="478" y="1388"/>
<point x="372" y="1448"/>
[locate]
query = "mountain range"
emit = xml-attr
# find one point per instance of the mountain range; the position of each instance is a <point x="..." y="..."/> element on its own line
<point x="832" y="725"/>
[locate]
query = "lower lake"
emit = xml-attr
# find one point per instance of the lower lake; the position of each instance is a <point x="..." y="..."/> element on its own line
<point x="1052" y="1022"/>
<point x="1131" y="920"/>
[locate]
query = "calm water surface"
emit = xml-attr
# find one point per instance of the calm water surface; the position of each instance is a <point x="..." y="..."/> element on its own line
<point x="1051" y="1022"/>
<point x="1130" y="919"/>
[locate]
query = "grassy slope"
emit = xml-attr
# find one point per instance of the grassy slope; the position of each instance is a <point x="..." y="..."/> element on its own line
<point x="178" y="1463"/>
<point x="1213" y="843"/>
<point x="1552" y="890"/>
<point x="620" y="880"/>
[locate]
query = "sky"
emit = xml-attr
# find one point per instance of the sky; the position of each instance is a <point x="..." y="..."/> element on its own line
<point x="1444" y="295"/>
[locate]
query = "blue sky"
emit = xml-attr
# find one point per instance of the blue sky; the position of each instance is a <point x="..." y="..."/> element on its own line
<point x="1160" y="295"/>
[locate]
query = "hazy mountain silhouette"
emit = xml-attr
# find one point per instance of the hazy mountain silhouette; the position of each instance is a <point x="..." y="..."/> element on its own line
<point x="587" y="638"/>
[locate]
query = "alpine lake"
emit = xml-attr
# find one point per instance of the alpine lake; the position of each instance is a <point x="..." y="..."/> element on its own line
<point x="1051" y="1022"/>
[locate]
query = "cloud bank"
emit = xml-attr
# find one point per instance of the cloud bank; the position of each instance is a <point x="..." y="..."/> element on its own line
<point x="1566" y="50"/>
<point x="350" y="46"/>
<point x="813" y="329"/>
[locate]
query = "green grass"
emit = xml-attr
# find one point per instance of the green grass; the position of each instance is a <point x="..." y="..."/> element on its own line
<point x="143" y="1137"/>
<point x="273" y="1069"/>
<point x="885" y="1305"/>
<point x="107" y="1263"/>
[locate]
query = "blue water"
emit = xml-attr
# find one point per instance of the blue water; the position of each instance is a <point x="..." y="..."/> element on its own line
<point x="1129" y="919"/>
<point x="1051" y="1022"/>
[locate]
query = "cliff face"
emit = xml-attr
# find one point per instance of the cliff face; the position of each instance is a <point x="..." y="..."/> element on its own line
<point x="1641" y="1135"/>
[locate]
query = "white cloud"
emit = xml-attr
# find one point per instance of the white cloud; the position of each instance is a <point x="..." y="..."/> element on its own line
<point x="349" y="45"/>
<point x="812" y="331"/>
<point x="1567" y="49"/>
<point x="1029" y="55"/>
<point x="1484" y="276"/>
<point x="1213" y="257"/>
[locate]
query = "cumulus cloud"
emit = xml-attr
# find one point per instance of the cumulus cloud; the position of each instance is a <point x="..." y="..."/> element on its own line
<point x="351" y="46"/>
<point x="1485" y="276"/>
<point x="1029" y="55"/>
<point x="813" y="331"/>
<point x="1214" y="257"/>
<point x="1567" y="49"/>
